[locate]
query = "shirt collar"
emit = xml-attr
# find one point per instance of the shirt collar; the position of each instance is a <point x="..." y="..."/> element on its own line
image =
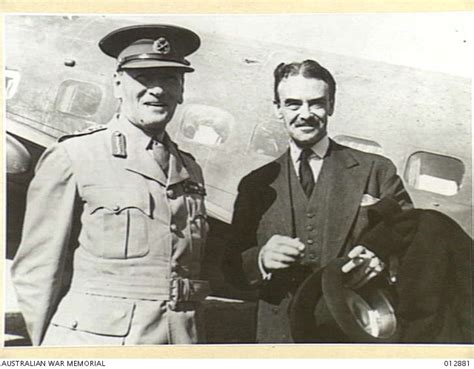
<point x="136" y="134"/>
<point x="320" y="148"/>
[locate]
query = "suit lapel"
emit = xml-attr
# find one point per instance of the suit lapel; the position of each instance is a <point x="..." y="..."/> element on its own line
<point x="344" y="181"/>
<point x="284" y="213"/>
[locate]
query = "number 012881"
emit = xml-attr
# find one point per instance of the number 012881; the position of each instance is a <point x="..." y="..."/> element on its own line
<point x="458" y="363"/>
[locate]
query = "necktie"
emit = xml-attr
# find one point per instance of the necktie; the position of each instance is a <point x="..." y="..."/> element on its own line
<point x="306" y="174"/>
<point x="161" y="155"/>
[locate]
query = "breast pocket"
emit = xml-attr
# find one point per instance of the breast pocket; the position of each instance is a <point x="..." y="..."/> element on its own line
<point x="121" y="219"/>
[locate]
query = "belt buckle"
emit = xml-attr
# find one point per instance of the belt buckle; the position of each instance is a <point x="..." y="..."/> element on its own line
<point x="179" y="292"/>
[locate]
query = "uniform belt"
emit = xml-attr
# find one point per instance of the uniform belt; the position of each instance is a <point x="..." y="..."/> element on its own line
<point x="163" y="289"/>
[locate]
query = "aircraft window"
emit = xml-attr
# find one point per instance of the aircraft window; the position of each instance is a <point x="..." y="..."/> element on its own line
<point x="12" y="80"/>
<point x="81" y="99"/>
<point x="359" y="144"/>
<point x="206" y="125"/>
<point x="269" y="139"/>
<point x="434" y="173"/>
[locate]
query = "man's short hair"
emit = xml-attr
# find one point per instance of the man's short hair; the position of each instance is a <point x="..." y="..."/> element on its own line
<point x="308" y="69"/>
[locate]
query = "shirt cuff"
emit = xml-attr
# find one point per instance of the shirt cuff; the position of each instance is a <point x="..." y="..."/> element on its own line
<point x="265" y="275"/>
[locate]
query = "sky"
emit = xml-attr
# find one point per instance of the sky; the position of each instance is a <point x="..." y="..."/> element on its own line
<point x="432" y="41"/>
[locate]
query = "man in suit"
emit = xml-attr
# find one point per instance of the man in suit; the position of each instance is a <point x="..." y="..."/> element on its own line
<point x="115" y="224"/>
<point x="307" y="207"/>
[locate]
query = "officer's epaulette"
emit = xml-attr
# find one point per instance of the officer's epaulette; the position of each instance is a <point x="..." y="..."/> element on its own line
<point x="87" y="131"/>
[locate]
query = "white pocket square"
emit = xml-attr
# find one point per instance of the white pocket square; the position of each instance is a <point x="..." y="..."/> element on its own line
<point x="368" y="200"/>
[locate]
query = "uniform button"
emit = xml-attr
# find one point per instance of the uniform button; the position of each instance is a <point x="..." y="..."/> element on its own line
<point x="310" y="215"/>
<point x="312" y="255"/>
<point x="173" y="227"/>
<point x="170" y="194"/>
<point x="74" y="324"/>
<point x="310" y="241"/>
<point x="309" y="228"/>
<point x="116" y="208"/>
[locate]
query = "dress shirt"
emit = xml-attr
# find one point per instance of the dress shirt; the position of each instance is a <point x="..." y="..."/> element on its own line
<point x="319" y="149"/>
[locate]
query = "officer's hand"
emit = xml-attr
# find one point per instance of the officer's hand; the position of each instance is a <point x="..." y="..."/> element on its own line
<point x="364" y="265"/>
<point x="280" y="252"/>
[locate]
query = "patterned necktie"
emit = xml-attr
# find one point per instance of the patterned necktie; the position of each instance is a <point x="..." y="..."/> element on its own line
<point x="161" y="155"/>
<point x="306" y="174"/>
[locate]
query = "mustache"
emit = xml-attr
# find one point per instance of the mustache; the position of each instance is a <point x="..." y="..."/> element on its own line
<point x="312" y="121"/>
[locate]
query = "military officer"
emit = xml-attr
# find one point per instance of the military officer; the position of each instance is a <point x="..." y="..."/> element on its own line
<point x="115" y="223"/>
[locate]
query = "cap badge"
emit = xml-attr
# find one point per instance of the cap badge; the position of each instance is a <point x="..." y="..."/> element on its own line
<point x="161" y="46"/>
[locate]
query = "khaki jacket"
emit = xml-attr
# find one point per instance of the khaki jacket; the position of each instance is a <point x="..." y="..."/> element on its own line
<point x="110" y="243"/>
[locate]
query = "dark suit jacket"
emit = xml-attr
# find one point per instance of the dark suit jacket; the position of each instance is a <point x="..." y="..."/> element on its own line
<point x="435" y="280"/>
<point x="263" y="209"/>
<point x="432" y="297"/>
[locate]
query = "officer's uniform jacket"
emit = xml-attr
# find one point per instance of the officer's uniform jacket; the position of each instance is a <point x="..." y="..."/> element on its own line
<point x="112" y="247"/>
<point x="271" y="201"/>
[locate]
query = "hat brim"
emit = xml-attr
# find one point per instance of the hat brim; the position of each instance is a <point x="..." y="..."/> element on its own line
<point x="329" y="284"/>
<point x="337" y="294"/>
<point x="133" y="64"/>
<point x="303" y="326"/>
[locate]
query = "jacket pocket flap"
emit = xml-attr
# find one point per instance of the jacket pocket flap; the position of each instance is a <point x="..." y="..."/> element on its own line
<point x="117" y="199"/>
<point x="94" y="314"/>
